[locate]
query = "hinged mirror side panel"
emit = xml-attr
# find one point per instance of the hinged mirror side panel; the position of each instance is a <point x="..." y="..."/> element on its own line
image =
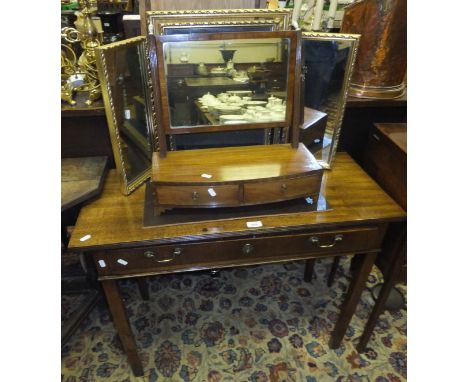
<point x="130" y="110"/>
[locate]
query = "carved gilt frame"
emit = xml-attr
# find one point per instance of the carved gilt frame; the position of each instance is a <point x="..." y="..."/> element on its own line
<point x="157" y="21"/>
<point x="337" y="37"/>
<point x="104" y="66"/>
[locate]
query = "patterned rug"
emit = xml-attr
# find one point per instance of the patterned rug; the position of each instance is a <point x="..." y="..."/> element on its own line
<point x="253" y="324"/>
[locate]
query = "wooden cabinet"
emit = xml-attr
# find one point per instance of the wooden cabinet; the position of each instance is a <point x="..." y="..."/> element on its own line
<point x="385" y="158"/>
<point x="235" y="176"/>
<point x="385" y="161"/>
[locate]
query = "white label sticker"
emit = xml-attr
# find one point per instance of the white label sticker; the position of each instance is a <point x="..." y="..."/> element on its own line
<point x="85" y="237"/>
<point x="106" y="24"/>
<point x="212" y="192"/>
<point x="102" y="263"/>
<point x="255" y="224"/>
<point x="207" y="176"/>
<point x="122" y="261"/>
<point x="128" y="114"/>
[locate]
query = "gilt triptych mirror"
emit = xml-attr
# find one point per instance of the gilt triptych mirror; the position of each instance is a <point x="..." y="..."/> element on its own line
<point x="194" y="84"/>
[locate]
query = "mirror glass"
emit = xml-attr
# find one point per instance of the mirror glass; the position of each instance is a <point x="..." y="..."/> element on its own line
<point x="326" y="68"/>
<point x="126" y="95"/>
<point x="226" y="82"/>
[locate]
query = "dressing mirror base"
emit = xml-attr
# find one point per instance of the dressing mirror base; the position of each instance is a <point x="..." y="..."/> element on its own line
<point x="234" y="176"/>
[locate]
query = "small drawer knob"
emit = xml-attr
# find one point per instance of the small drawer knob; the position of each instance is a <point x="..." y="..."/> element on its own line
<point x="247" y="248"/>
<point x="177" y="251"/>
<point x="284" y="187"/>
<point x="195" y="195"/>
<point x="148" y="254"/>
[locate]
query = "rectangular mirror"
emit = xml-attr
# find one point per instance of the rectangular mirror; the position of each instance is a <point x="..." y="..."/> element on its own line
<point x="226" y="81"/>
<point x="328" y="60"/>
<point x="220" y="21"/>
<point x="127" y="94"/>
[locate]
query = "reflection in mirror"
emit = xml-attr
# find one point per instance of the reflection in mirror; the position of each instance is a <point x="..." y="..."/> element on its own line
<point x="328" y="60"/>
<point x="126" y="92"/>
<point x="226" y="82"/>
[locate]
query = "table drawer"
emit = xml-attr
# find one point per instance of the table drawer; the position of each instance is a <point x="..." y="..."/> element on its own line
<point x="288" y="188"/>
<point x="198" y="195"/>
<point x="217" y="254"/>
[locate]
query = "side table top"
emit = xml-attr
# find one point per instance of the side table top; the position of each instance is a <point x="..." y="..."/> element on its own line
<point x="82" y="179"/>
<point x="114" y="220"/>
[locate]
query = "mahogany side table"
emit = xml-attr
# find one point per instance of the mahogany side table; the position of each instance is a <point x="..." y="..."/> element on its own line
<point x="110" y="231"/>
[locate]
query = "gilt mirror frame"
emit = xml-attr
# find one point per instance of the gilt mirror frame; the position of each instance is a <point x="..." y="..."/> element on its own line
<point x="334" y="127"/>
<point x="159" y="22"/>
<point x="293" y="68"/>
<point x="105" y="58"/>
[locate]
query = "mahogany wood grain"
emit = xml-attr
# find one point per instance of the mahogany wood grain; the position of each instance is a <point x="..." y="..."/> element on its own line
<point x="360" y="212"/>
<point x="385" y="158"/>
<point x="233" y="164"/>
<point x="396" y="263"/>
<point x="283" y="189"/>
<point x="114" y="220"/>
<point x="226" y="195"/>
<point x="228" y="253"/>
<point x="122" y="325"/>
<point x="352" y="297"/>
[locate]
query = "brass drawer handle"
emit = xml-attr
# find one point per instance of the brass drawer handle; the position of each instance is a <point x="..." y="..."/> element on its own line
<point x="150" y="255"/>
<point x="247" y="248"/>
<point x="195" y="195"/>
<point x="315" y="240"/>
<point x="284" y="187"/>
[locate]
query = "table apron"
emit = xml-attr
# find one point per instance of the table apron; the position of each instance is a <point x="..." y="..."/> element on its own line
<point x="163" y="259"/>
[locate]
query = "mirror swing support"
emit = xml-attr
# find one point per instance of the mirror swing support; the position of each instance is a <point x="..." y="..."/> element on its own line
<point x="235" y="176"/>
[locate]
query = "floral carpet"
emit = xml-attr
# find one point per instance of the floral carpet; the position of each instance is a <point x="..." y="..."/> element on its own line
<point x="253" y="324"/>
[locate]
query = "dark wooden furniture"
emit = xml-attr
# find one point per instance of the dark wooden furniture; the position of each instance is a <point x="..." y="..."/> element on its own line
<point x="82" y="180"/>
<point x="385" y="161"/>
<point x="312" y="131"/>
<point x="110" y="231"/>
<point x="234" y="176"/>
<point x="360" y="116"/>
<point x="84" y="131"/>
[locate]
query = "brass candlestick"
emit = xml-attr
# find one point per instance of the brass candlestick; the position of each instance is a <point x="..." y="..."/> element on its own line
<point x="81" y="75"/>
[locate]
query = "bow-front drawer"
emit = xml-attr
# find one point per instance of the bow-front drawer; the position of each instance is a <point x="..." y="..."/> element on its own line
<point x="228" y="253"/>
<point x="198" y="195"/>
<point x="284" y="189"/>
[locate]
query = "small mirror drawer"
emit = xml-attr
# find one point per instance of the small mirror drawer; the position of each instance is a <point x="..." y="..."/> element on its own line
<point x="198" y="195"/>
<point x="289" y="188"/>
